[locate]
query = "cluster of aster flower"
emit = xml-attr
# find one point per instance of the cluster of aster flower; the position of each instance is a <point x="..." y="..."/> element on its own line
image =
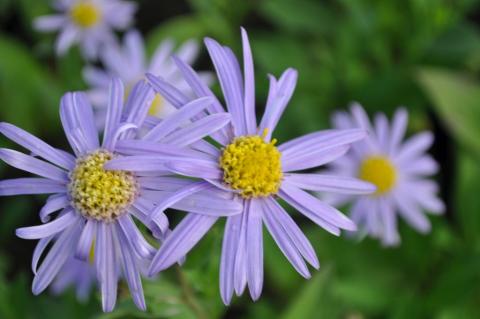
<point x="205" y="158"/>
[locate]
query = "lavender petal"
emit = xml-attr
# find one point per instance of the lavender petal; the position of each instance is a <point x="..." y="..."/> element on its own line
<point x="33" y="165"/>
<point x="37" y="146"/>
<point x="227" y="263"/>
<point x="330" y="183"/>
<point x="279" y="95"/>
<point x="182" y="239"/>
<point x="255" y="249"/>
<point x="30" y="185"/>
<point x="316" y="207"/>
<point x="52" y="228"/>
<point x="53" y="204"/>
<point x="172" y="122"/>
<point x="55" y="259"/>
<point x="114" y="112"/>
<point x="284" y="242"/>
<point x="85" y="241"/>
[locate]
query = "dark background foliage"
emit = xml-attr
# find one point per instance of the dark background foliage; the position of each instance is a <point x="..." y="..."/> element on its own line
<point x="422" y="54"/>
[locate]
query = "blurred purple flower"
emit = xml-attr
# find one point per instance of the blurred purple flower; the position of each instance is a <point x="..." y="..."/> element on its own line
<point x="97" y="206"/>
<point x="251" y="170"/>
<point x="128" y="62"/>
<point x="77" y="273"/>
<point x="90" y="23"/>
<point x="400" y="170"/>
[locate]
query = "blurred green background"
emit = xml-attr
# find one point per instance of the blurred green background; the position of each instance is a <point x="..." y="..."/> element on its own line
<point x="423" y="54"/>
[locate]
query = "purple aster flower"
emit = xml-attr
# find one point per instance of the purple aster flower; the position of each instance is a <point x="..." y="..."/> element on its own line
<point x="128" y="63"/>
<point x="78" y="274"/>
<point x="97" y="207"/>
<point x="252" y="170"/>
<point x="400" y="170"/>
<point x="91" y="23"/>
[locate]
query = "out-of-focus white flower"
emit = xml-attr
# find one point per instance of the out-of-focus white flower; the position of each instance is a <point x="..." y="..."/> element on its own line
<point x="129" y="63"/>
<point x="90" y="23"/>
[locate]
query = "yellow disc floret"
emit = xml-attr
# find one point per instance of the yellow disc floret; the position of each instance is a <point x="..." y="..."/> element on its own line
<point x="85" y="14"/>
<point x="100" y="194"/>
<point x="380" y="171"/>
<point x="252" y="166"/>
<point x="157" y="105"/>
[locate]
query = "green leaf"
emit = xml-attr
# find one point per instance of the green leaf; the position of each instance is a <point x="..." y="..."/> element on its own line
<point x="300" y="15"/>
<point x="456" y="98"/>
<point x="26" y="88"/>
<point x="312" y="301"/>
<point x="468" y="206"/>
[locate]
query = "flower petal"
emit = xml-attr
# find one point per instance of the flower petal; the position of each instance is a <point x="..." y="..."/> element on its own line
<point x="173" y="122"/>
<point x="200" y="169"/>
<point x="249" y="85"/>
<point x="30" y="185"/>
<point x="114" y="112"/>
<point x="106" y="266"/>
<point x="131" y="271"/>
<point x="410" y="211"/>
<point x="134" y="49"/>
<point x="38" y="252"/>
<point x="240" y="268"/>
<point x="76" y="114"/>
<point x="330" y="183"/>
<point x="86" y="240"/>
<point x="284" y="241"/>
<point x="229" y="75"/>
<point x="49" y="23"/>
<point x="37" y="146"/>
<point x="278" y="97"/>
<point x="223" y="136"/>
<point x="255" y="249"/>
<point x="49" y="229"/>
<point x="422" y="166"/>
<point x="298" y="239"/>
<point x="314" y="159"/>
<point x="137" y="106"/>
<point x="179" y="195"/>
<point x="138" y="243"/>
<point x="323" y="140"/>
<point x="227" y="263"/>
<point x="390" y="235"/>
<point x="57" y="256"/>
<point x="205" y="204"/>
<point x="167" y="91"/>
<point x="138" y="163"/>
<point x="33" y="165"/>
<point x="65" y="39"/>
<point x="414" y="147"/>
<point x="54" y="203"/>
<point x="197" y="130"/>
<point x="399" y="127"/>
<point x="318" y="208"/>
<point x="182" y="239"/>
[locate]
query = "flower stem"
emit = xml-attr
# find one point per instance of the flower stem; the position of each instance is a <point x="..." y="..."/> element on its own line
<point x="189" y="295"/>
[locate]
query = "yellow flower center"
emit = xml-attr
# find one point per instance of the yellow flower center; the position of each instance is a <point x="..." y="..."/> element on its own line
<point x="157" y="105"/>
<point x="100" y="194"/>
<point x="85" y="14"/>
<point x="252" y="166"/>
<point x="379" y="171"/>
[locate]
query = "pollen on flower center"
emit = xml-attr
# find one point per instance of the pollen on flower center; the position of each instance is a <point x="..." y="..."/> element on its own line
<point x="252" y="166"/>
<point x="100" y="194"/>
<point x="379" y="171"/>
<point x="85" y="14"/>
